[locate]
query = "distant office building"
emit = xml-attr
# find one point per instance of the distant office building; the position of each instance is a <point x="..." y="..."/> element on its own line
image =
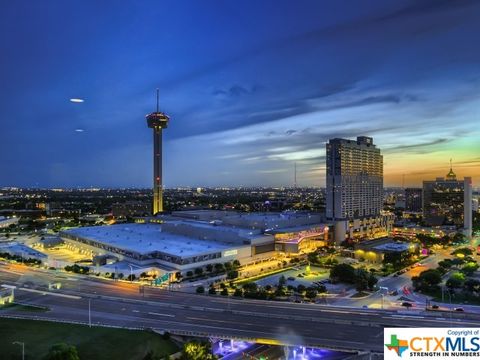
<point x="131" y="209"/>
<point x="54" y="209"/>
<point x="448" y="201"/>
<point x="355" y="189"/>
<point x="475" y="205"/>
<point x="413" y="199"/>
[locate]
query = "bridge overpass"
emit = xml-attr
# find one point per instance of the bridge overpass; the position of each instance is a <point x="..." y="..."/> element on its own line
<point x="111" y="304"/>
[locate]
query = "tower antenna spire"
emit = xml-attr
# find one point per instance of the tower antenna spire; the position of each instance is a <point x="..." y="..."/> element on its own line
<point x="450" y="163"/>
<point x="158" y="97"/>
<point x="295" y="175"/>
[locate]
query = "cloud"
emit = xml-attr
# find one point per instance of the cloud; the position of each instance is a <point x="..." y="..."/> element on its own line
<point x="236" y="91"/>
<point x="418" y="146"/>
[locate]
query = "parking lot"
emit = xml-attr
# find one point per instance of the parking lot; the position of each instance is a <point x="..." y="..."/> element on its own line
<point x="296" y="276"/>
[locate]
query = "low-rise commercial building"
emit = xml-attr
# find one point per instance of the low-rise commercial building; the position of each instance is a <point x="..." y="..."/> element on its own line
<point x="190" y="239"/>
<point x="374" y="251"/>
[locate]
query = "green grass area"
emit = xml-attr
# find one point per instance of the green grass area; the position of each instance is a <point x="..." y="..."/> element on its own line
<point x="261" y="276"/>
<point x="21" y="307"/>
<point x="92" y="343"/>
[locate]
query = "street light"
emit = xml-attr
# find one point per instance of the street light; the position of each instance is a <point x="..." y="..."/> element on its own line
<point x="450" y="298"/>
<point x="23" y="347"/>
<point x="131" y="272"/>
<point x="89" y="312"/>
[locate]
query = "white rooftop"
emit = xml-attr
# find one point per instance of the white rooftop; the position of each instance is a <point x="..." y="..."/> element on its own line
<point x="393" y="247"/>
<point x="146" y="238"/>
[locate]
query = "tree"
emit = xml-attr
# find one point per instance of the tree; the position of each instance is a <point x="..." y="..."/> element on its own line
<point x="120" y="276"/>
<point x="189" y="273"/>
<point x="372" y="281"/>
<point x="224" y="292"/>
<point x="228" y="265"/>
<point x="459" y="238"/>
<point x="455" y="281"/>
<point x="236" y="264"/>
<point x="218" y="267"/>
<point x="62" y="351"/>
<point x="463" y="251"/>
<point x="313" y="258"/>
<point x="343" y="273"/>
<point x="282" y="281"/>
<point x="445" y="264"/>
<point x="427" y="281"/>
<point x="209" y="268"/>
<point x="469" y="268"/>
<point x="280" y="291"/>
<point x="131" y="277"/>
<point x="322" y="289"/>
<point x="361" y="279"/>
<point x="232" y="274"/>
<point x="301" y="289"/>
<point x="472" y="285"/>
<point x="212" y="290"/>
<point x="198" y="271"/>
<point x="238" y="292"/>
<point x="196" y="350"/>
<point x="250" y="290"/>
<point x="178" y="276"/>
<point x="311" y="293"/>
<point x="200" y="290"/>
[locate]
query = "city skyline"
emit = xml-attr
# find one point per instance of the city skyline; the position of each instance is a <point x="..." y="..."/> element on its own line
<point x="247" y="103"/>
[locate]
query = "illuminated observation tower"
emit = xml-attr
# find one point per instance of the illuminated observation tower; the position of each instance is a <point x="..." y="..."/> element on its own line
<point x="157" y="121"/>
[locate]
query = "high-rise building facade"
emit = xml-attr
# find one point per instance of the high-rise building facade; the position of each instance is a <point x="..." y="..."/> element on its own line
<point x="354" y="178"/>
<point x="448" y="201"/>
<point x="355" y="188"/>
<point x="413" y="199"/>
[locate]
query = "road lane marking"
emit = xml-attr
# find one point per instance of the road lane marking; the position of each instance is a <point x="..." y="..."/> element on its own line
<point x="136" y="311"/>
<point x="12" y="272"/>
<point x="50" y="293"/>
<point x="158" y="314"/>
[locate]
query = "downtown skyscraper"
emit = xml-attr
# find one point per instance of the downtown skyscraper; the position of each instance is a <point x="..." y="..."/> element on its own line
<point x="355" y="188"/>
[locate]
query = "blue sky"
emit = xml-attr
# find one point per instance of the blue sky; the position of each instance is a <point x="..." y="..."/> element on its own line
<point x="251" y="88"/>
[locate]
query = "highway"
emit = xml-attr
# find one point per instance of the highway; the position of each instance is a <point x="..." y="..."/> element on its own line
<point x="121" y="304"/>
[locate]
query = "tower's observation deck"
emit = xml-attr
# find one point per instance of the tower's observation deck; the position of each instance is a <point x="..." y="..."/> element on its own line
<point x="157" y="121"/>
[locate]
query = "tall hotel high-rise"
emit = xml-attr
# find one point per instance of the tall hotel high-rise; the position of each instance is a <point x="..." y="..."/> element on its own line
<point x="355" y="189"/>
<point x="157" y="121"/>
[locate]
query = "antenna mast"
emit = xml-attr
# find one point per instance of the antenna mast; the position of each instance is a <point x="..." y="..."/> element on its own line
<point x="295" y="175"/>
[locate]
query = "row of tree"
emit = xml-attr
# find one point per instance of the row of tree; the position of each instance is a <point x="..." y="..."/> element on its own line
<point x="346" y="273"/>
<point x="215" y="269"/>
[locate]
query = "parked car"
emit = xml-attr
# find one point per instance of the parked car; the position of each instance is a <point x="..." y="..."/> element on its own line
<point x="459" y="309"/>
<point x="407" y="304"/>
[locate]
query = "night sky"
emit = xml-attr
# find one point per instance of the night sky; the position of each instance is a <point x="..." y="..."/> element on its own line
<point x="251" y="87"/>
